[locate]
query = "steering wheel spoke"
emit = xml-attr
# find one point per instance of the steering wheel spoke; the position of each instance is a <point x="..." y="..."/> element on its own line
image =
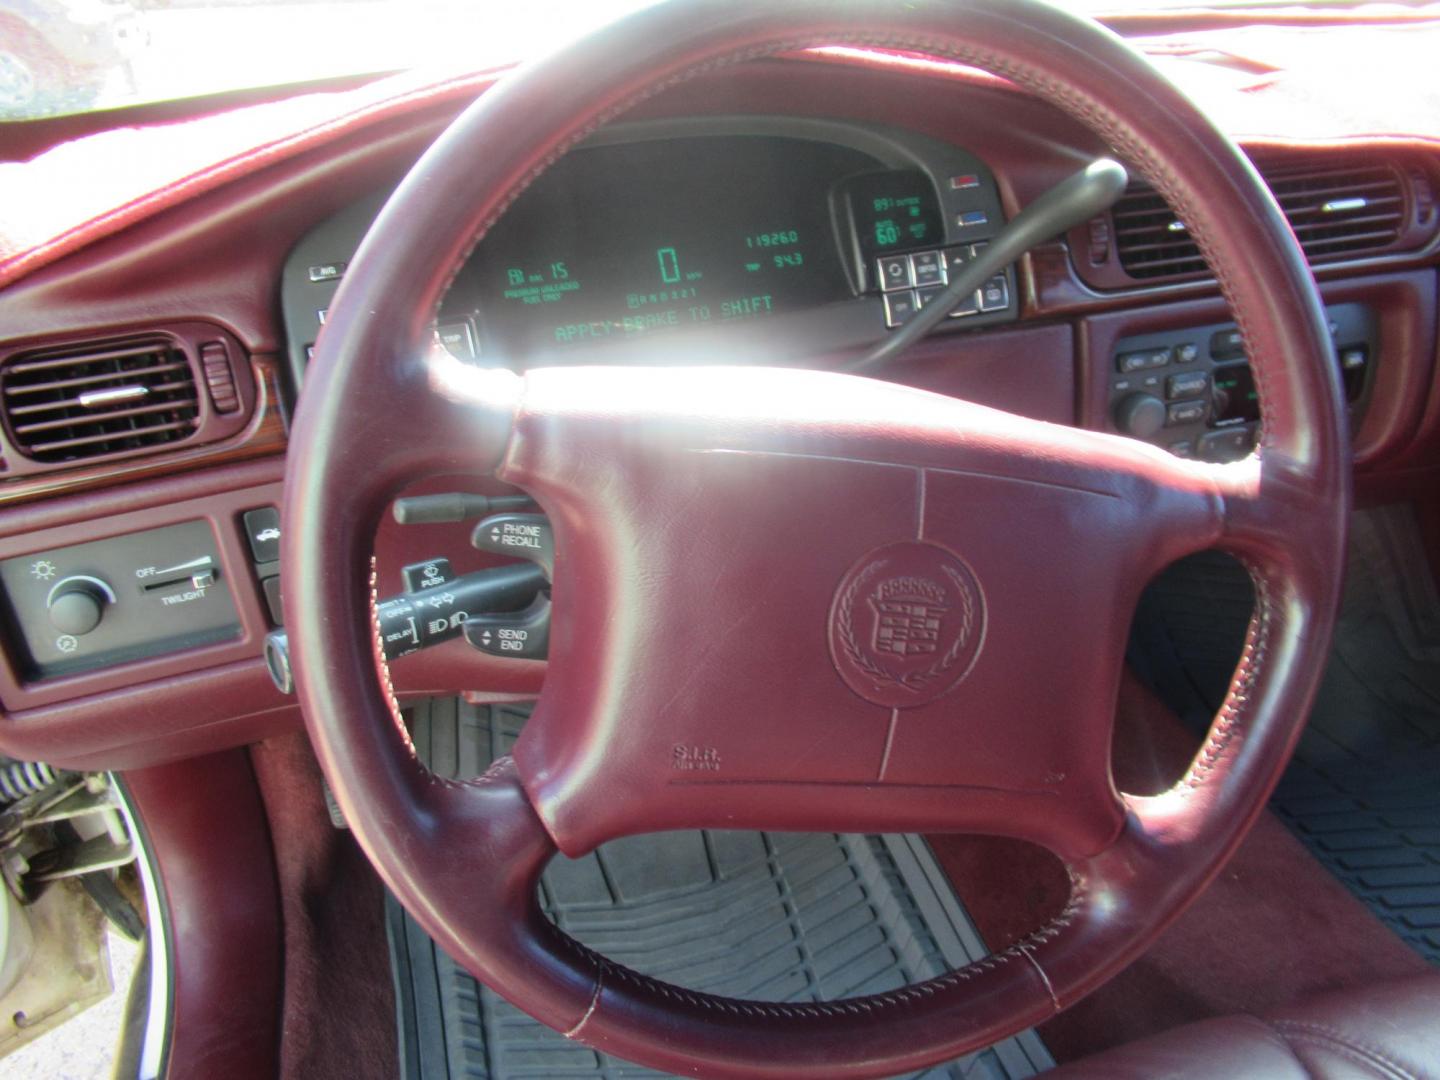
<point x="1268" y="502"/>
<point x="447" y="415"/>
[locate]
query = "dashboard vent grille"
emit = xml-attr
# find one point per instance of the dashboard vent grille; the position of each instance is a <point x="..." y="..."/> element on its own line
<point x="68" y="405"/>
<point x="1338" y="209"/>
<point x="1341" y="210"/>
<point x="1149" y="239"/>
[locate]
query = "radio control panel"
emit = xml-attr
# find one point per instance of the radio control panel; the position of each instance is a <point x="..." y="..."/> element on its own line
<point x="1192" y="391"/>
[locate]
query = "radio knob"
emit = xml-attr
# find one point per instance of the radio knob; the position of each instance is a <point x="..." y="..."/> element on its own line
<point x="77" y="604"/>
<point x="1140" y="415"/>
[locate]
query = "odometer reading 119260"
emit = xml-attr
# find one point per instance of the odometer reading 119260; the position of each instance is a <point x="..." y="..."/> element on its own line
<point x="773" y="239"/>
<point x="625" y="241"/>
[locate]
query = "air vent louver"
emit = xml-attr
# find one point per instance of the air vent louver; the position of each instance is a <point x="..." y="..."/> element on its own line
<point x="1149" y="239"/>
<point x="98" y="400"/>
<point x="1342" y="209"/>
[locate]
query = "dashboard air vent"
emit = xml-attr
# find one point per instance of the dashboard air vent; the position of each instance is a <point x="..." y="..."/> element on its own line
<point x="1341" y="210"/>
<point x="1150" y="239"/>
<point x="1338" y="209"/>
<point x="70" y="404"/>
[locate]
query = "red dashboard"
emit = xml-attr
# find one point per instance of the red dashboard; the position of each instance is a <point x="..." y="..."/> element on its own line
<point x="206" y="205"/>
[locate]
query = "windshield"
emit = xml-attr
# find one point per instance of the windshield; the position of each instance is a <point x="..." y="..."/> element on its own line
<point x="67" y="56"/>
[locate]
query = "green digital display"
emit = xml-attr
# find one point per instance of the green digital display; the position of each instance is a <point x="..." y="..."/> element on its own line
<point x="544" y="285"/>
<point x="626" y="241"/>
<point x="784" y="238"/>
<point x="894" y="211"/>
<point x="1235" y="399"/>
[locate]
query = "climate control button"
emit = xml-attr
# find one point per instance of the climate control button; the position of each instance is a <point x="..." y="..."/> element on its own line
<point x="1127" y="363"/>
<point x="1185" y="412"/>
<point x="1188" y="385"/>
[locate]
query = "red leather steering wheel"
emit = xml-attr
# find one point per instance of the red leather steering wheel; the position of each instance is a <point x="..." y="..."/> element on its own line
<point x="723" y="538"/>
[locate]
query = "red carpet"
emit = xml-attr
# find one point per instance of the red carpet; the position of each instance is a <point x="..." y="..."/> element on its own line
<point x="339" y="1007"/>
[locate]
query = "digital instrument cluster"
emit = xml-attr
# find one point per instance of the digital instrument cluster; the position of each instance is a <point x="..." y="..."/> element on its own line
<point x="635" y="240"/>
<point x="772" y="233"/>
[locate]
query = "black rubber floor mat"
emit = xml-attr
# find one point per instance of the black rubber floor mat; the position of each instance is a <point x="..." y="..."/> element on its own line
<point x="774" y="917"/>
<point x="1363" y="792"/>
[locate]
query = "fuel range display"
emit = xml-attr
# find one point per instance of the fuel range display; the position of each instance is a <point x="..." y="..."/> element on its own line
<point x="627" y="241"/>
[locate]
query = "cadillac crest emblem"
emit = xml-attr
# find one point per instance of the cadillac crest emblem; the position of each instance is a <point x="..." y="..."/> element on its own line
<point x="906" y="624"/>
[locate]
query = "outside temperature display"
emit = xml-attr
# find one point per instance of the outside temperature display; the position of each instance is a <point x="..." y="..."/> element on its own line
<point x="894" y="211"/>
<point x="622" y="242"/>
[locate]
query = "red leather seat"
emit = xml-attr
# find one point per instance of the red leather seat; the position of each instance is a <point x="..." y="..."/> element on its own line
<point x="1390" y="1031"/>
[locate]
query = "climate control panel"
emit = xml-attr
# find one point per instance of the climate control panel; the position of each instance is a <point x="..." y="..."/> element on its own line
<point x="1192" y="391"/>
<point x="124" y="598"/>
